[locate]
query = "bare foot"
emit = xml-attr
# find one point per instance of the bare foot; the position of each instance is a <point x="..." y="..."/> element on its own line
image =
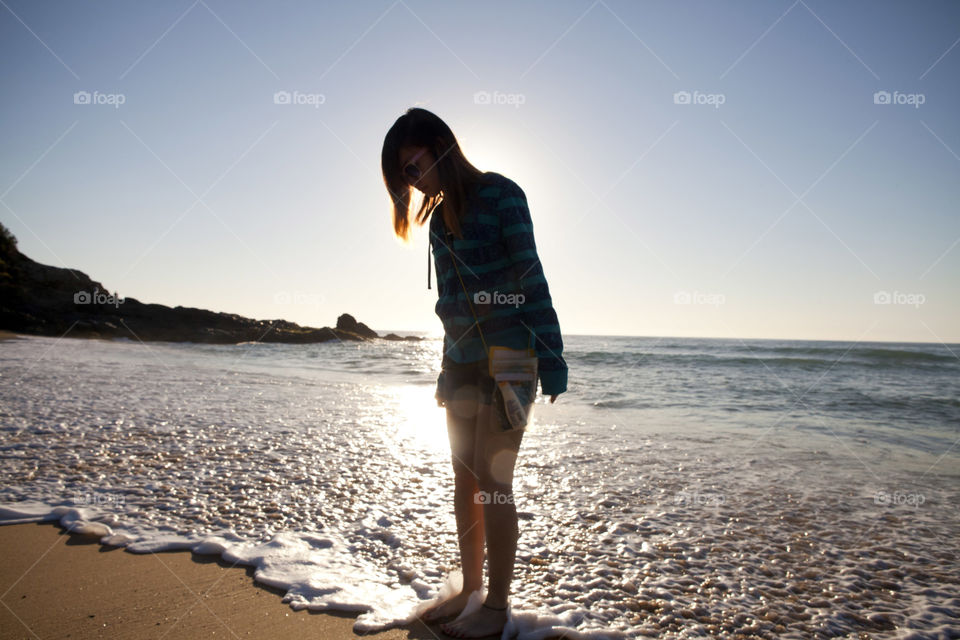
<point x="450" y="607"/>
<point x="482" y="622"/>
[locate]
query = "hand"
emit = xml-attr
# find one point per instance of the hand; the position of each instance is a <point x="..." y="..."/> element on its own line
<point x="553" y="399"/>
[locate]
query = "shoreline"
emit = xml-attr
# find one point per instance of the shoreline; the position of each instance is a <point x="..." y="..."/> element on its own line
<point x="62" y="584"/>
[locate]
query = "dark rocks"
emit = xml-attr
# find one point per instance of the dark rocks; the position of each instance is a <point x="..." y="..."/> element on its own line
<point x="51" y="301"/>
<point x="347" y="322"/>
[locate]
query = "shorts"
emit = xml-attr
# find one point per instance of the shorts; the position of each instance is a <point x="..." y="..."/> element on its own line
<point x="463" y="379"/>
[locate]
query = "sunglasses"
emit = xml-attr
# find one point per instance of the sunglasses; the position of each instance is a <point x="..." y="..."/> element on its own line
<point x="410" y="169"/>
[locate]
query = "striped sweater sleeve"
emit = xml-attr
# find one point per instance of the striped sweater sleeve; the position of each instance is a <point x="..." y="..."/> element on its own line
<point x="538" y="312"/>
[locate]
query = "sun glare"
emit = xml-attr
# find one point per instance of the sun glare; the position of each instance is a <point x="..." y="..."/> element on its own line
<point x="419" y="418"/>
<point x="495" y="153"/>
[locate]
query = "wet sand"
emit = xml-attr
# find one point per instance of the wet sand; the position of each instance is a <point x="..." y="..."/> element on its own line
<point x="58" y="585"/>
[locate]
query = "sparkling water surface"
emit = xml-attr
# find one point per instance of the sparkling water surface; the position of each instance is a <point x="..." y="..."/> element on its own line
<point x="680" y="488"/>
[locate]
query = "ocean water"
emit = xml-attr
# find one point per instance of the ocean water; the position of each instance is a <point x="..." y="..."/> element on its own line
<point x="681" y="488"/>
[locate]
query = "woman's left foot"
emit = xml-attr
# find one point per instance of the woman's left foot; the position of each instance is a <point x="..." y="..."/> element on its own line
<point x="479" y="624"/>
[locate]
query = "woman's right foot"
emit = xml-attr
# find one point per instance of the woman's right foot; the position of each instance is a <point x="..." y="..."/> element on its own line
<point x="450" y="607"/>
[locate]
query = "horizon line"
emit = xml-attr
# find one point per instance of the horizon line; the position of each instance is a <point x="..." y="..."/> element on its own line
<point x="614" y="335"/>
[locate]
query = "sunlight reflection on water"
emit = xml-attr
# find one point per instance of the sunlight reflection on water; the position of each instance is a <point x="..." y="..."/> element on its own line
<point x="660" y="517"/>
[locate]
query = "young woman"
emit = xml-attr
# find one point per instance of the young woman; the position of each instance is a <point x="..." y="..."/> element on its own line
<point x="492" y="291"/>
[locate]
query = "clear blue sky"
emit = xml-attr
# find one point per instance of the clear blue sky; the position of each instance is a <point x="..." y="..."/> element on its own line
<point x="780" y="213"/>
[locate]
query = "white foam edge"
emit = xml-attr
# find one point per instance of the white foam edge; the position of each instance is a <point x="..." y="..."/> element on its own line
<point x="310" y="567"/>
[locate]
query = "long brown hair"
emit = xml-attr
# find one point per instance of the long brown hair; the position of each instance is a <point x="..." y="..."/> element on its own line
<point x="421" y="128"/>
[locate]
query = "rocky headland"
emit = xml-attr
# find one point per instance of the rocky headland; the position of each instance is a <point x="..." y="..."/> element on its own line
<point x="43" y="300"/>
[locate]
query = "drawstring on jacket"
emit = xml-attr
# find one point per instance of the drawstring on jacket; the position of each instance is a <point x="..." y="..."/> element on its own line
<point x="432" y="213"/>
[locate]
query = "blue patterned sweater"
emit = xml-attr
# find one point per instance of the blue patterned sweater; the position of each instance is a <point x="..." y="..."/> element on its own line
<point x="501" y="271"/>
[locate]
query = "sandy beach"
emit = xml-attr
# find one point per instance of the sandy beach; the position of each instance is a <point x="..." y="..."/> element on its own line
<point x="62" y="585"/>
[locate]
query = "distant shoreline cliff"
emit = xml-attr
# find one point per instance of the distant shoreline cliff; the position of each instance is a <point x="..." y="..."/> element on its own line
<point x="51" y="301"/>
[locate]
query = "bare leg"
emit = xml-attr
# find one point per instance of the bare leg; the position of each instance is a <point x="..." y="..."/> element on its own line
<point x="496" y="455"/>
<point x="461" y="429"/>
<point x="470" y="527"/>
